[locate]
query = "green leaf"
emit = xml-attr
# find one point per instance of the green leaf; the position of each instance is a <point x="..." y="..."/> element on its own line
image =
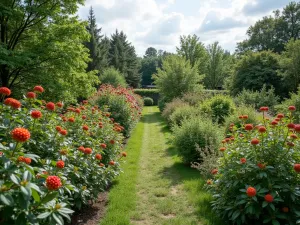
<point x="27" y="176"/>
<point x="275" y="222"/>
<point x="65" y="210"/>
<point x="25" y="191"/>
<point x="44" y="215"/>
<point x="235" y="214"/>
<point x="15" y="179"/>
<point x="49" y="197"/>
<point x="267" y="220"/>
<point x="264" y="204"/>
<point x="58" y="219"/>
<point x="35" y="187"/>
<point x="35" y="195"/>
<point x="7" y="199"/>
<point x="272" y="207"/>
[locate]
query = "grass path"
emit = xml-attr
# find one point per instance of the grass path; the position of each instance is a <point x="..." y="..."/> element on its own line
<point x="156" y="188"/>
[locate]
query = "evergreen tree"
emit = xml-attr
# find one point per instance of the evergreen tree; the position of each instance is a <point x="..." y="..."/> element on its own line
<point x="123" y="57"/>
<point x="97" y="45"/>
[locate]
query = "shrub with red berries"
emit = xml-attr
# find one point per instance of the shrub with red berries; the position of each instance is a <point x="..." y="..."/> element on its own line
<point x="259" y="172"/>
<point x="46" y="160"/>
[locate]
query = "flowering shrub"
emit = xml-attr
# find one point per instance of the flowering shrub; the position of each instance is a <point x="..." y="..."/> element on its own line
<point x="122" y="104"/>
<point x="257" y="179"/>
<point x="53" y="159"/>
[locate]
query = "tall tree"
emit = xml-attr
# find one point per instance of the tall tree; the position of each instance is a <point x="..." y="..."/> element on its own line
<point x="176" y="77"/>
<point x="123" y="57"/>
<point x="41" y="43"/>
<point x="97" y="45"/>
<point x="273" y="32"/>
<point x="150" y="52"/>
<point x="290" y="65"/>
<point x="193" y="50"/>
<point x="216" y="66"/>
<point x="256" y="69"/>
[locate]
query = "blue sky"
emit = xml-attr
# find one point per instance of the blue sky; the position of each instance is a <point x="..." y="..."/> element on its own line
<point x="159" y="23"/>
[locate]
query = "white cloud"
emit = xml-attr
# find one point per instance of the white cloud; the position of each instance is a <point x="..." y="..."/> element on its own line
<point x="159" y="23"/>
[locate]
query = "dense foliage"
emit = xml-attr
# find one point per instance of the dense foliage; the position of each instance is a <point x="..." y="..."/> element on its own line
<point x="123" y="105"/>
<point x="257" y="178"/>
<point x="53" y="158"/>
<point x="113" y="77"/>
<point x="176" y="77"/>
<point x="218" y="108"/>
<point x="148" y="101"/>
<point x="41" y="42"/>
<point x="151" y="93"/>
<point x="195" y="132"/>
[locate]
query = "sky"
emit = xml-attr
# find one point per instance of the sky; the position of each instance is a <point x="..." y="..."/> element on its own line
<point x="159" y="23"/>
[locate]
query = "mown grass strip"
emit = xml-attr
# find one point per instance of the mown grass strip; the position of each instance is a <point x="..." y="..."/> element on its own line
<point x="122" y="196"/>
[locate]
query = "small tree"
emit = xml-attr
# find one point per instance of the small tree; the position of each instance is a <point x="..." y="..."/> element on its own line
<point x="254" y="70"/>
<point x="290" y="64"/>
<point x="113" y="77"/>
<point x="177" y="77"/>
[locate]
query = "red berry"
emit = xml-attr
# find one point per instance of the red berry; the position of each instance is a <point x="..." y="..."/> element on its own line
<point x="31" y="95"/>
<point x="291" y="126"/>
<point x="248" y="127"/>
<point x="112" y="141"/>
<point x="36" y="114"/>
<point x="83" y="117"/>
<point x="60" y="164"/>
<point x="85" y="127"/>
<point x="254" y="141"/>
<point x="98" y="156"/>
<point x="245" y="117"/>
<point x="251" y="191"/>
<point x="297" y="128"/>
<point x="124" y="154"/>
<point x="63" y="132"/>
<point x="88" y="151"/>
<point x="58" y="128"/>
<point x="50" y="106"/>
<point x="59" y="104"/>
<point x="72" y="120"/>
<point x="53" y="182"/>
<point x="269" y="198"/>
<point x="5" y="91"/>
<point x="112" y="163"/>
<point x="264" y="109"/>
<point x="285" y="209"/>
<point x="39" y="89"/>
<point x="20" y="134"/>
<point x="262" y="129"/>
<point x="280" y="115"/>
<point x="297" y="168"/>
<point x="214" y="171"/>
<point x="261" y="165"/>
<point x="103" y="145"/>
<point x="292" y="108"/>
<point x="243" y="160"/>
<point x="101" y="165"/>
<point x="274" y="122"/>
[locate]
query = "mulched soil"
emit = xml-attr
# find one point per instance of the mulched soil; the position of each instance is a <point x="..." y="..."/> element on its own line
<point x="92" y="214"/>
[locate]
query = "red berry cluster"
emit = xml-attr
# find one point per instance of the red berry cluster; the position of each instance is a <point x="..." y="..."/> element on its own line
<point x="20" y="134"/>
<point x="36" y="114"/>
<point x="53" y="182"/>
<point x="5" y="91"/>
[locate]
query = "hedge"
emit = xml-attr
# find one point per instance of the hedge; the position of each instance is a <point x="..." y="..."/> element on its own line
<point x="151" y="93"/>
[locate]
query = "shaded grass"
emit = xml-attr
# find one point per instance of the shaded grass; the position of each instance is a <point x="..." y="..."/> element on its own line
<point x="156" y="187"/>
<point x="122" y="197"/>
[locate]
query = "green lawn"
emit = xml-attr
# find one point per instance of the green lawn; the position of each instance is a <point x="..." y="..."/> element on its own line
<point x="156" y="188"/>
